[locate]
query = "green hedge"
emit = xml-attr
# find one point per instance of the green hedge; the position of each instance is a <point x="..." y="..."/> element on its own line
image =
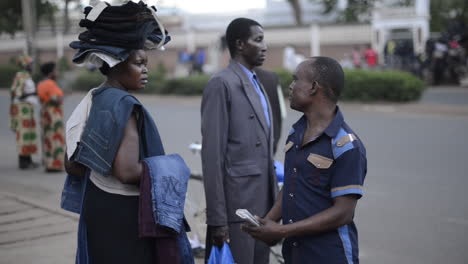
<point x="87" y="80"/>
<point x="382" y="86"/>
<point x="285" y="79"/>
<point x="191" y="85"/>
<point x="360" y="85"/>
<point x="7" y="73"/>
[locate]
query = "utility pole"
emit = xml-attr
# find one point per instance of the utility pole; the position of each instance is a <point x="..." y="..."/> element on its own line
<point x="29" y="20"/>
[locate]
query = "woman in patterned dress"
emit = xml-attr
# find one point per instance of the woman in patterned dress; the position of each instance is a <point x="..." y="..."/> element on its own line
<point x="23" y="99"/>
<point x="51" y="119"/>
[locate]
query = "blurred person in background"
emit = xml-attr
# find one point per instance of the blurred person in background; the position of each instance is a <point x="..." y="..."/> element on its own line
<point x="22" y="120"/>
<point x="371" y="57"/>
<point x="198" y="61"/>
<point x="356" y="54"/>
<point x="389" y="53"/>
<point x="439" y="60"/>
<point x="53" y="138"/>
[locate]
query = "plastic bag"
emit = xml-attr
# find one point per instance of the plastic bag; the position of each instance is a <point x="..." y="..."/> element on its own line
<point x="221" y="256"/>
<point x="279" y="169"/>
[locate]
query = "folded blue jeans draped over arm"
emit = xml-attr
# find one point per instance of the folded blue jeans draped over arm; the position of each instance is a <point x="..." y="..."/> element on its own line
<point x="169" y="178"/>
<point x="172" y="246"/>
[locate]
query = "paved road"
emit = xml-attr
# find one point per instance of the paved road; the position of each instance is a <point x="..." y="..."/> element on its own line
<point x="446" y="95"/>
<point x="414" y="209"/>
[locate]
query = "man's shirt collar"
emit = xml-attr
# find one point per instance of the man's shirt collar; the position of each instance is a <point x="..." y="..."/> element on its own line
<point x="249" y="73"/>
<point x="332" y="129"/>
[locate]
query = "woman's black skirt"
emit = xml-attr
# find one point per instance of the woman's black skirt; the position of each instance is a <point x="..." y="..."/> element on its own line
<point x="112" y="228"/>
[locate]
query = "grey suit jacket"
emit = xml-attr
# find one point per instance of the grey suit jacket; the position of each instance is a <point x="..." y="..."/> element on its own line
<point x="237" y="148"/>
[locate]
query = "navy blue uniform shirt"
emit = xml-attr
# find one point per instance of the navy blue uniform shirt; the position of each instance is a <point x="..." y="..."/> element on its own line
<point x="331" y="165"/>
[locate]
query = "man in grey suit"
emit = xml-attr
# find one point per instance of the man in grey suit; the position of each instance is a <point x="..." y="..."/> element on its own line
<point x="237" y="145"/>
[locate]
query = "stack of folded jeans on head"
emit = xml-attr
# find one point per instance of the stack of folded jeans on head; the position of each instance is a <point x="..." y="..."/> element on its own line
<point x="113" y="31"/>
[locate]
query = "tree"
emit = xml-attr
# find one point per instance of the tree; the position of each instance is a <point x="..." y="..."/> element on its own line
<point x="443" y="12"/>
<point x="297" y="11"/>
<point x="446" y="12"/>
<point x="355" y="11"/>
<point x="74" y="4"/>
<point x="11" y="19"/>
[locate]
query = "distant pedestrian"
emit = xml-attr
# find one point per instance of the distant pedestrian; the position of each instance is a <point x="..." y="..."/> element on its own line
<point x="198" y="60"/>
<point x="325" y="167"/>
<point x="53" y="137"/>
<point x="389" y="52"/>
<point x="371" y="57"/>
<point x="22" y="119"/>
<point x="356" y="55"/>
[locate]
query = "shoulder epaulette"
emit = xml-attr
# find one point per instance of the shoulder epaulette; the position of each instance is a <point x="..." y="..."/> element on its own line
<point x="341" y="143"/>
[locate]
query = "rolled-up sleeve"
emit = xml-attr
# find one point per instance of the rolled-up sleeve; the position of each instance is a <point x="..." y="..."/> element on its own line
<point x="349" y="174"/>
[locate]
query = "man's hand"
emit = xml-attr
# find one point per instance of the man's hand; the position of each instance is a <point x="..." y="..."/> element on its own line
<point x="220" y="235"/>
<point x="269" y="232"/>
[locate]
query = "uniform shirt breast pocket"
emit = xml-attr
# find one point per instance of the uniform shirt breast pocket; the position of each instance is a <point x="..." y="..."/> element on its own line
<point x="320" y="169"/>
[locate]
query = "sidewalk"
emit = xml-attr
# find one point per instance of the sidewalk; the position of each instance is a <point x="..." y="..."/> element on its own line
<point x="33" y="233"/>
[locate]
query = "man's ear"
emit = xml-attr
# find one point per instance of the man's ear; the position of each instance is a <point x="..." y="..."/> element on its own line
<point x="313" y="88"/>
<point x="239" y="44"/>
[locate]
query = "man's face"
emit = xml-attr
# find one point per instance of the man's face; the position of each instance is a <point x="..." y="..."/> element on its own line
<point x="133" y="74"/>
<point x="254" y="48"/>
<point x="300" y="88"/>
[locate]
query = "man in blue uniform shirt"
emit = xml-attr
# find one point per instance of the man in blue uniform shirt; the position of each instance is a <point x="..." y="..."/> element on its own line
<point x="325" y="167"/>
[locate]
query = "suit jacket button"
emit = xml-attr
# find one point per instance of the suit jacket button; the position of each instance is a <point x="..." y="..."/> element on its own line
<point x="251" y="116"/>
<point x="258" y="144"/>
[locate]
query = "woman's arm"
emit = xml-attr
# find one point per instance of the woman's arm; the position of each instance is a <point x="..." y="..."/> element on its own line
<point x="127" y="167"/>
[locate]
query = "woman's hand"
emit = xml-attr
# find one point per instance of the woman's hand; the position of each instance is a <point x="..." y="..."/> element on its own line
<point x="74" y="168"/>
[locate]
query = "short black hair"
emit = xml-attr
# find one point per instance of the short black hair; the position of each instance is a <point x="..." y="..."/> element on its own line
<point x="329" y="74"/>
<point x="239" y="28"/>
<point x="47" y="68"/>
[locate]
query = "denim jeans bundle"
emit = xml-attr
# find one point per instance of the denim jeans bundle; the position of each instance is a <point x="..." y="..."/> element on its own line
<point x="118" y="29"/>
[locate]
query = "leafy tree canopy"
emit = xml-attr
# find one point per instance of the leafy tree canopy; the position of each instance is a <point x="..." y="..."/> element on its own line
<point x="11" y="14"/>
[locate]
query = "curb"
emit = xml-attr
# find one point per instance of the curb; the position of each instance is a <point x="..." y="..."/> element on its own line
<point x="32" y="203"/>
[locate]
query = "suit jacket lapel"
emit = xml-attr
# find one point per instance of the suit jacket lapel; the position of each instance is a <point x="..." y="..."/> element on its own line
<point x="252" y="96"/>
<point x="269" y="129"/>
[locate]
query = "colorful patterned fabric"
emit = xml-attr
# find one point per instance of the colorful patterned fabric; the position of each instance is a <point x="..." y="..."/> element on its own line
<point x="17" y="88"/>
<point x="22" y="117"/>
<point x="53" y="143"/>
<point x="23" y="124"/>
